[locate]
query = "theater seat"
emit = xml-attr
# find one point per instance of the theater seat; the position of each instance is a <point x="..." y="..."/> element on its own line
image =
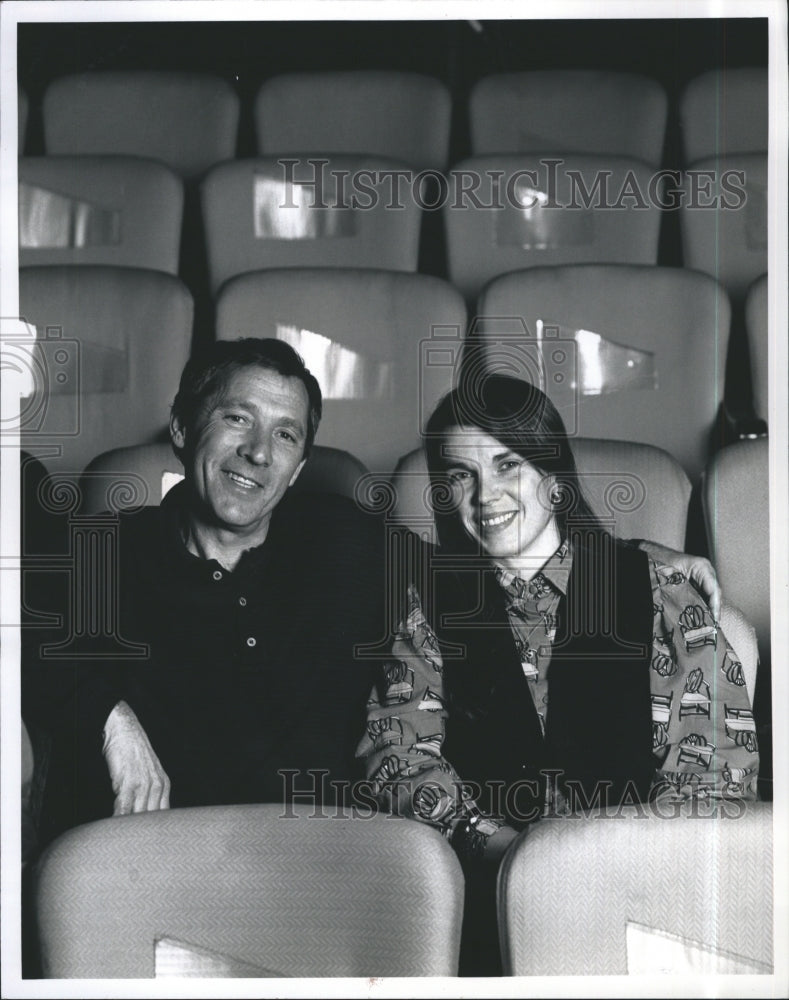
<point x="117" y="210"/>
<point x="306" y="212"/>
<point x="619" y="349"/>
<point x="529" y="210"/>
<point x="141" y="475"/>
<point x="246" y="891"/>
<point x="758" y="330"/>
<point x="395" y="115"/>
<point x="724" y="229"/>
<point x="384" y="346"/>
<point x="641" y="895"/>
<point x="187" y="120"/>
<point x="736" y="511"/>
<point x="569" y="111"/>
<point x="639" y="491"/>
<point x="725" y="111"/>
<point x="111" y="345"/>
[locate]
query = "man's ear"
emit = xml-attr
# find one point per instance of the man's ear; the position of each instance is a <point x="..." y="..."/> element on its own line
<point x="295" y="475"/>
<point x="177" y="432"/>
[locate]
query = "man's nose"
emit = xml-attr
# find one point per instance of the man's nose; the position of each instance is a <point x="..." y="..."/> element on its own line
<point x="256" y="448"/>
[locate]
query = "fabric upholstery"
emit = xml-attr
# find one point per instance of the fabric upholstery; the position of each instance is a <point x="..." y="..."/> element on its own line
<point x="187" y="120"/>
<point x="115" y="210"/>
<point x="569" y="111"/>
<point x="399" y="116"/>
<point x="300" y="896"/>
<point x="570" y="887"/>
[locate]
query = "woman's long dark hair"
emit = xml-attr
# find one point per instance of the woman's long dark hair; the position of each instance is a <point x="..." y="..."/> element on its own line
<point x="523" y="419"/>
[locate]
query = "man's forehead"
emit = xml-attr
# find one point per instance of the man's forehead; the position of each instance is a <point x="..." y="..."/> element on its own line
<point x="255" y="385"/>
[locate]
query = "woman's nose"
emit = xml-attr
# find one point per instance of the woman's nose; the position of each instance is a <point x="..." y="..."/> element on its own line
<point x="488" y="489"/>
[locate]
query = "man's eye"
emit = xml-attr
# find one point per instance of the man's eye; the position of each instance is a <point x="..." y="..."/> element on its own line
<point x="235" y="418"/>
<point x="509" y="465"/>
<point x="459" y="475"/>
<point x="287" y="436"/>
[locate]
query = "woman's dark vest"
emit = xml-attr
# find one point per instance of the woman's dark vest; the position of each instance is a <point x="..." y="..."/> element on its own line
<point x="598" y="726"/>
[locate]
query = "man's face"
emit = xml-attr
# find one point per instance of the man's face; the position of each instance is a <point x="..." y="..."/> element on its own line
<point x="246" y="448"/>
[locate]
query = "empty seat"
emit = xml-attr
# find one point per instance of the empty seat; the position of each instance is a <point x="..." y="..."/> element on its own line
<point x="725" y="111"/>
<point x="639" y="491"/>
<point x="187" y="120"/>
<point x="505" y="213"/>
<point x="635" y="350"/>
<point x="115" y="210"/>
<point x="569" y="111"/>
<point x="243" y="891"/>
<point x="724" y="227"/>
<point x="685" y="894"/>
<point x="111" y="344"/>
<point x="305" y="212"/>
<point x="142" y="474"/>
<point x="23" y="106"/>
<point x="736" y="511"/>
<point x="757" y="326"/>
<point x="373" y="339"/>
<point x="399" y="116"/>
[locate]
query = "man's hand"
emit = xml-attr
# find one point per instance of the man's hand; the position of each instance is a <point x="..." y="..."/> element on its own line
<point x="698" y="570"/>
<point x="138" y="779"/>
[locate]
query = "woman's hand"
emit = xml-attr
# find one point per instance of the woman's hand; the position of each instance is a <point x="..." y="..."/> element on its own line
<point x="697" y="569"/>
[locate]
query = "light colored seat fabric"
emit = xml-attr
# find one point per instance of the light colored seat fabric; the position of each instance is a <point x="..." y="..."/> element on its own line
<point x="142" y="474"/>
<point x="111" y="344"/>
<point x="373" y="339"/>
<point x="187" y="120"/>
<point x="724" y="230"/>
<point x="634" y="351"/>
<point x="261" y="885"/>
<point x="758" y="330"/>
<point x="736" y="511"/>
<point x="641" y="894"/>
<point x="569" y="111"/>
<point x="303" y="212"/>
<point x="725" y="111"/>
<point x="117" y="210"/>
<point x="639" y="491"/>
<point x="399" y="116"/>
<point x="529" y="210"/>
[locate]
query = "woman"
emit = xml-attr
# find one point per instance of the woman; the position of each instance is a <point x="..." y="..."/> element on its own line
<point x="541" y="667"/>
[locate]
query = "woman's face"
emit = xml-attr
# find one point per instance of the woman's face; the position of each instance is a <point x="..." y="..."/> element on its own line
<point x="503" y="500"/>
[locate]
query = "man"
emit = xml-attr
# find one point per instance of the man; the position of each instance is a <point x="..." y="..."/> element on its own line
<point x="250" y="603"/>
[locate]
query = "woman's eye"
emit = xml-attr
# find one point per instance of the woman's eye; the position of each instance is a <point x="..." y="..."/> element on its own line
<point x="509" y="465"/>
<point x="459" y="475"/>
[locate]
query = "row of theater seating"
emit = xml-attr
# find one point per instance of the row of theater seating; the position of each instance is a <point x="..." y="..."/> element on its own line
<point x="625" y="351"/>
<point x="264" y="891"/>
<point x="501" y="213"/>
<point x="190" y="121"/>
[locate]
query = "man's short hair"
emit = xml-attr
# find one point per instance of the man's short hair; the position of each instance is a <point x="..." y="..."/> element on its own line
<point x="204" y="376"/>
